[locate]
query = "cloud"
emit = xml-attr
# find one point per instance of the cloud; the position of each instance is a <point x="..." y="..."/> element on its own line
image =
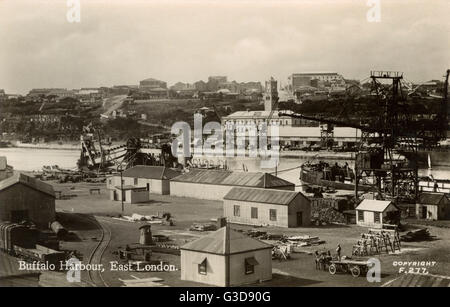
<point x="122" y="42"/>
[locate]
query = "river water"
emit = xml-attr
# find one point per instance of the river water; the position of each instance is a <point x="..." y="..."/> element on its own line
<point x="31" y="159"/>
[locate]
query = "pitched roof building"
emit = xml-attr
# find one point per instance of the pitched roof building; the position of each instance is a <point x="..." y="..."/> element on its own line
<point x="154" y="179"/>
<point x="26" y="198"/>
<point x="215" y="184"/>
<point x="433" y="206"/>
<point x="375" y="213"/>
<point x="226" y="258"/>
<point x="267" y="207"/>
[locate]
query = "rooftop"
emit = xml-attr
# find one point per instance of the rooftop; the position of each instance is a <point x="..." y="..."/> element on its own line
<point x="431" y="198"/>
<point x="374" y="205"/>
<point x="152" y="79"/>
<point x="28" y="181"/>
<point x="150" y="172"/>
<point x="225" y="241"/>
<point x="316" y="73"/>
<point x="277" y="197"/>
<point x="254" y="115"/>
<point x="243" y="179"/>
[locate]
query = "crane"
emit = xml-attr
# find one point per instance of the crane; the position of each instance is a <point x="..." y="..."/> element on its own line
<point x="392" y="128"/>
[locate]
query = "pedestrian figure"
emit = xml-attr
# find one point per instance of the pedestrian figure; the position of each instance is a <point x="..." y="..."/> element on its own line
<point x="338" y="252"/>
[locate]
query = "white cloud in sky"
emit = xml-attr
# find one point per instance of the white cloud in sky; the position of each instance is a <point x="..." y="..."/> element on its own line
<point x="122" y="42"/>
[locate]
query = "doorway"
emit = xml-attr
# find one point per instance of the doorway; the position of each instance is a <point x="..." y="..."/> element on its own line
<point x="299" y="219"/>
<point x="424" y="212"/>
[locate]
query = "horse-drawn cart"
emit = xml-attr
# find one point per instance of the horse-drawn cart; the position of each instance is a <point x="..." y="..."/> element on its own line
<point x="355" y="267"/>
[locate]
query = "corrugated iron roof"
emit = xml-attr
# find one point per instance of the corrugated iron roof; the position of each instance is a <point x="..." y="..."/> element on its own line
<point x="373" y="205"/>
<point x="431" y="198"/>
<point x="28" y="181"/>
<point x="247" y="179"/>
<point x="225" y="241"/>
<point x="277" y="197"/>
<point x="150" y="172"/>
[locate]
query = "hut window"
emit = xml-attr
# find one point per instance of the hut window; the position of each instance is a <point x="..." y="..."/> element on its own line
<point x="237" y="210"/>
<point x="273" y="214"/>
<point x="202" y="267"/>
<point x="376" y="217"/>
<point x="110" y="181"/>
<point x="135" y="181"/>
<point x="250" y="265"/>
<point x="360" y="215"/>
<point x="254" y="213"/>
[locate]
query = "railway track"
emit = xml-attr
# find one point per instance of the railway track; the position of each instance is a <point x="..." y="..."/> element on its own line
<point x="95" y="257"/>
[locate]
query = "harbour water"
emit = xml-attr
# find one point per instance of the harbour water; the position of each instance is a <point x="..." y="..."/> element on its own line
<point x="31" y="159"/>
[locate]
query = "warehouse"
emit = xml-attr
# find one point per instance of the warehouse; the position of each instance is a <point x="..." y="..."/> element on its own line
<point x="215" y="184"/>
<point x="433" y="206"/>
<point x="267" y="207"/>
<point x="25" y="198"/>
<point x="155" y="179"/>
<point x="226" y="258"/>
<point x="375" y="213"/>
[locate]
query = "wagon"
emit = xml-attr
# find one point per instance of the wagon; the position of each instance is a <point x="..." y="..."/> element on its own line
<point x="354" y="267"/>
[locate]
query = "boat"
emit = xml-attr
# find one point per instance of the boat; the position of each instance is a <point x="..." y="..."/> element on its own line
<point x="331" y="176"/>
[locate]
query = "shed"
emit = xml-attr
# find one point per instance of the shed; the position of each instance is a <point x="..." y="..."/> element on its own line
<point x="129" y="194"/>
<point x="375" y="213"/>
<point x="226" y="258"/>
<point x="267" y="207"/>
<point x="155" y="179"/>
<point x="215" y="184"/>
<point x="433" y="206"/>
<point x="26" y="198"/>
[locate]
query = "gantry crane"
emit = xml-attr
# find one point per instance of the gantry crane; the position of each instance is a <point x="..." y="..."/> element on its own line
<point x="395" y="129"/>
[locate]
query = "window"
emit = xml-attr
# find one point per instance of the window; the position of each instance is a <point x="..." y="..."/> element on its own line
<point x="135" y="181"/>
<point x="250" y="265"/>
<point x="202" y="267"/>
<point x="237" y="210"/>
<point x="376" y="217"/>
<point x="273" y="214"/>
<point x="110" y="181"/>
<point x="361" y="215"/>
<point x="254" y="213"/>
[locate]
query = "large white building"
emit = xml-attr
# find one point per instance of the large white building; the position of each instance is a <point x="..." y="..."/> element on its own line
<point x="292" y="131"/>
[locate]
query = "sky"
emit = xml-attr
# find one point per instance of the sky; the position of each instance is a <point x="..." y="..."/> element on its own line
<point x="122" y="42"/>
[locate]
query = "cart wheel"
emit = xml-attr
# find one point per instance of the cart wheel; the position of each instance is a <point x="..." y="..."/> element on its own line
<point x="356" y="271"/>
<point x="332" y="269"/>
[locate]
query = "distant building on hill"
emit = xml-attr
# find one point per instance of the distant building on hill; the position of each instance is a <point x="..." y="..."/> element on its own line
<point x="152" y="83"/>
